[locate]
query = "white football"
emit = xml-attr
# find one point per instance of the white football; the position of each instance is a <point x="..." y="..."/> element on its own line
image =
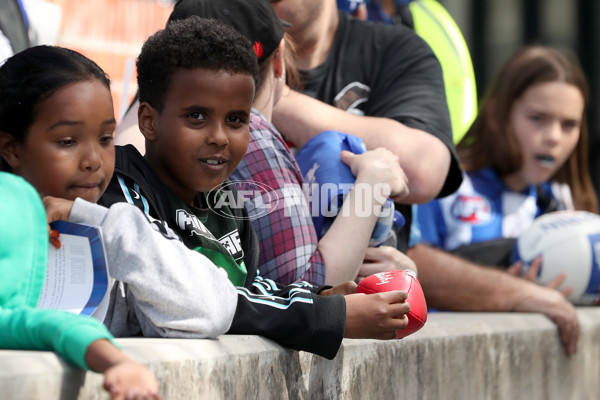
<point x="569" y="242"/>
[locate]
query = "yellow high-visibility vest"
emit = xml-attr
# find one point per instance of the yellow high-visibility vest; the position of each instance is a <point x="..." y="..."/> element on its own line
<point x="435" y="25"/>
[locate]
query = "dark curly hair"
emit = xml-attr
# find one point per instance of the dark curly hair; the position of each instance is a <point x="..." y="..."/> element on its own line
<point x="33" y="75"/>
<point x="190" y="43"/>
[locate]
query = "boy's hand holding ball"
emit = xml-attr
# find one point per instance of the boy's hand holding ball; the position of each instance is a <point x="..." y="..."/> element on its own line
<point x="403" y="280"/>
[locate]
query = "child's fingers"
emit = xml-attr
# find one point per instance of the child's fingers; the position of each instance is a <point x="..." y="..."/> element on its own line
<point x="396" y="296"/>
<point x="113" y="389"/>
<point x="54" y="238"/>
<point x="343" y="288"/>
<point x="380" y="254"/>
<point x="385" y="258"/>
<point x="399" y="196"/>
<point x="56" y="209"/>
<point x="400" y="189"/>
<point x="399" y="323"/>
<point x="371" y="268"/>
<point x="347" y="157"/>
<point x="399" y="309"/>
<point x="135" y="394"/>
<point x="55" y="243"/>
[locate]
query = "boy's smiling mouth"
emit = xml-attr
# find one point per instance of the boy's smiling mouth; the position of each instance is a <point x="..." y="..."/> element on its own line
<point x="214" y="163"/>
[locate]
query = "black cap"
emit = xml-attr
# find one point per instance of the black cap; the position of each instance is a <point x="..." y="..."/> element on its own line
<point x="255" y="19"/>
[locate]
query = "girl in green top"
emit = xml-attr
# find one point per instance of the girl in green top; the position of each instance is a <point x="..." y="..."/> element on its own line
<point x="81" y="341"/>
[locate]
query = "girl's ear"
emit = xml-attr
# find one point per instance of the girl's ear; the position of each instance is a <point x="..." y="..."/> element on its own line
<point x="279" y="61"/>
<point x="147" y="116"/>
<point x="9" y="150"/>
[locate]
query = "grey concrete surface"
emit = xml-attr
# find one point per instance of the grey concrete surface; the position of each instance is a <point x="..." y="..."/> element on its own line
<point x="478" y="356"/>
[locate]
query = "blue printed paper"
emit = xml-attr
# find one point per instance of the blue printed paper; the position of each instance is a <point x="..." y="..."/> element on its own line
<point x="76" y="278"/>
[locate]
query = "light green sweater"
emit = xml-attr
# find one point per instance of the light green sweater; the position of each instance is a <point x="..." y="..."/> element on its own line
<point x="23" y="260"/>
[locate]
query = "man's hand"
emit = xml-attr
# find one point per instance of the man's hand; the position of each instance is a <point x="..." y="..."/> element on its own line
<point x="452" y="283"/>
<point x="376" y="316"/>
<point x="552" y="304"/>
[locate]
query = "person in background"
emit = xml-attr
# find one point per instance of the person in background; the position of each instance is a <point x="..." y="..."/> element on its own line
<point x="444" y="275"/>
<point x="432" y="22"/>
<point x="525" y="155"/>
<point x="379" y="82"/>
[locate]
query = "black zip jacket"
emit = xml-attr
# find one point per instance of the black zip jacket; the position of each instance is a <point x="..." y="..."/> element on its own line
<point x="294" y="316"/>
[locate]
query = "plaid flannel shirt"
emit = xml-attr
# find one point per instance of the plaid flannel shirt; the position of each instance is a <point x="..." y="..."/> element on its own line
<point x="286" y="233"/>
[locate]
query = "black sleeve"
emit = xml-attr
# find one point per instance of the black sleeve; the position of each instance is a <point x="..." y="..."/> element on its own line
<point x="301" y="320"/>
<point x="294" y="315"/>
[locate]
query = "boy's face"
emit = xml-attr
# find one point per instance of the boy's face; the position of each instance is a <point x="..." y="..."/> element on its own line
<point x="202" y="133"/>
<point x="69" y="150"/>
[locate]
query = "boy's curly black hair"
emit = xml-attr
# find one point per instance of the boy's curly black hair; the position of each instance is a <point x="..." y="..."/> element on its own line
<point x="190" y="43"/>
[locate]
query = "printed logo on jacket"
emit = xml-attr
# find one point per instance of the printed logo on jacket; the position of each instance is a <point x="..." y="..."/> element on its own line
<point x="190" y="224"/>
<point x="472" y="209"/>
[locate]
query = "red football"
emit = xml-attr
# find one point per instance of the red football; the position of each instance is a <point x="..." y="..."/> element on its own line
<point x="400" y="280"/>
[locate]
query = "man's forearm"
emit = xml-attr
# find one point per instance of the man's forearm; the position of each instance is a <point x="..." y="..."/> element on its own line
<point x="424" y="158"/>
<point x="453" y="283"/>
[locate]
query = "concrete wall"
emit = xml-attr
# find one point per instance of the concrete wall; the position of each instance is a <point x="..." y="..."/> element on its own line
<point x="455" y="356"/>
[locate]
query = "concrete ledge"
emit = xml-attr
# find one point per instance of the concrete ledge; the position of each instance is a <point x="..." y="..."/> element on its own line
<point x="455" y="356"/>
